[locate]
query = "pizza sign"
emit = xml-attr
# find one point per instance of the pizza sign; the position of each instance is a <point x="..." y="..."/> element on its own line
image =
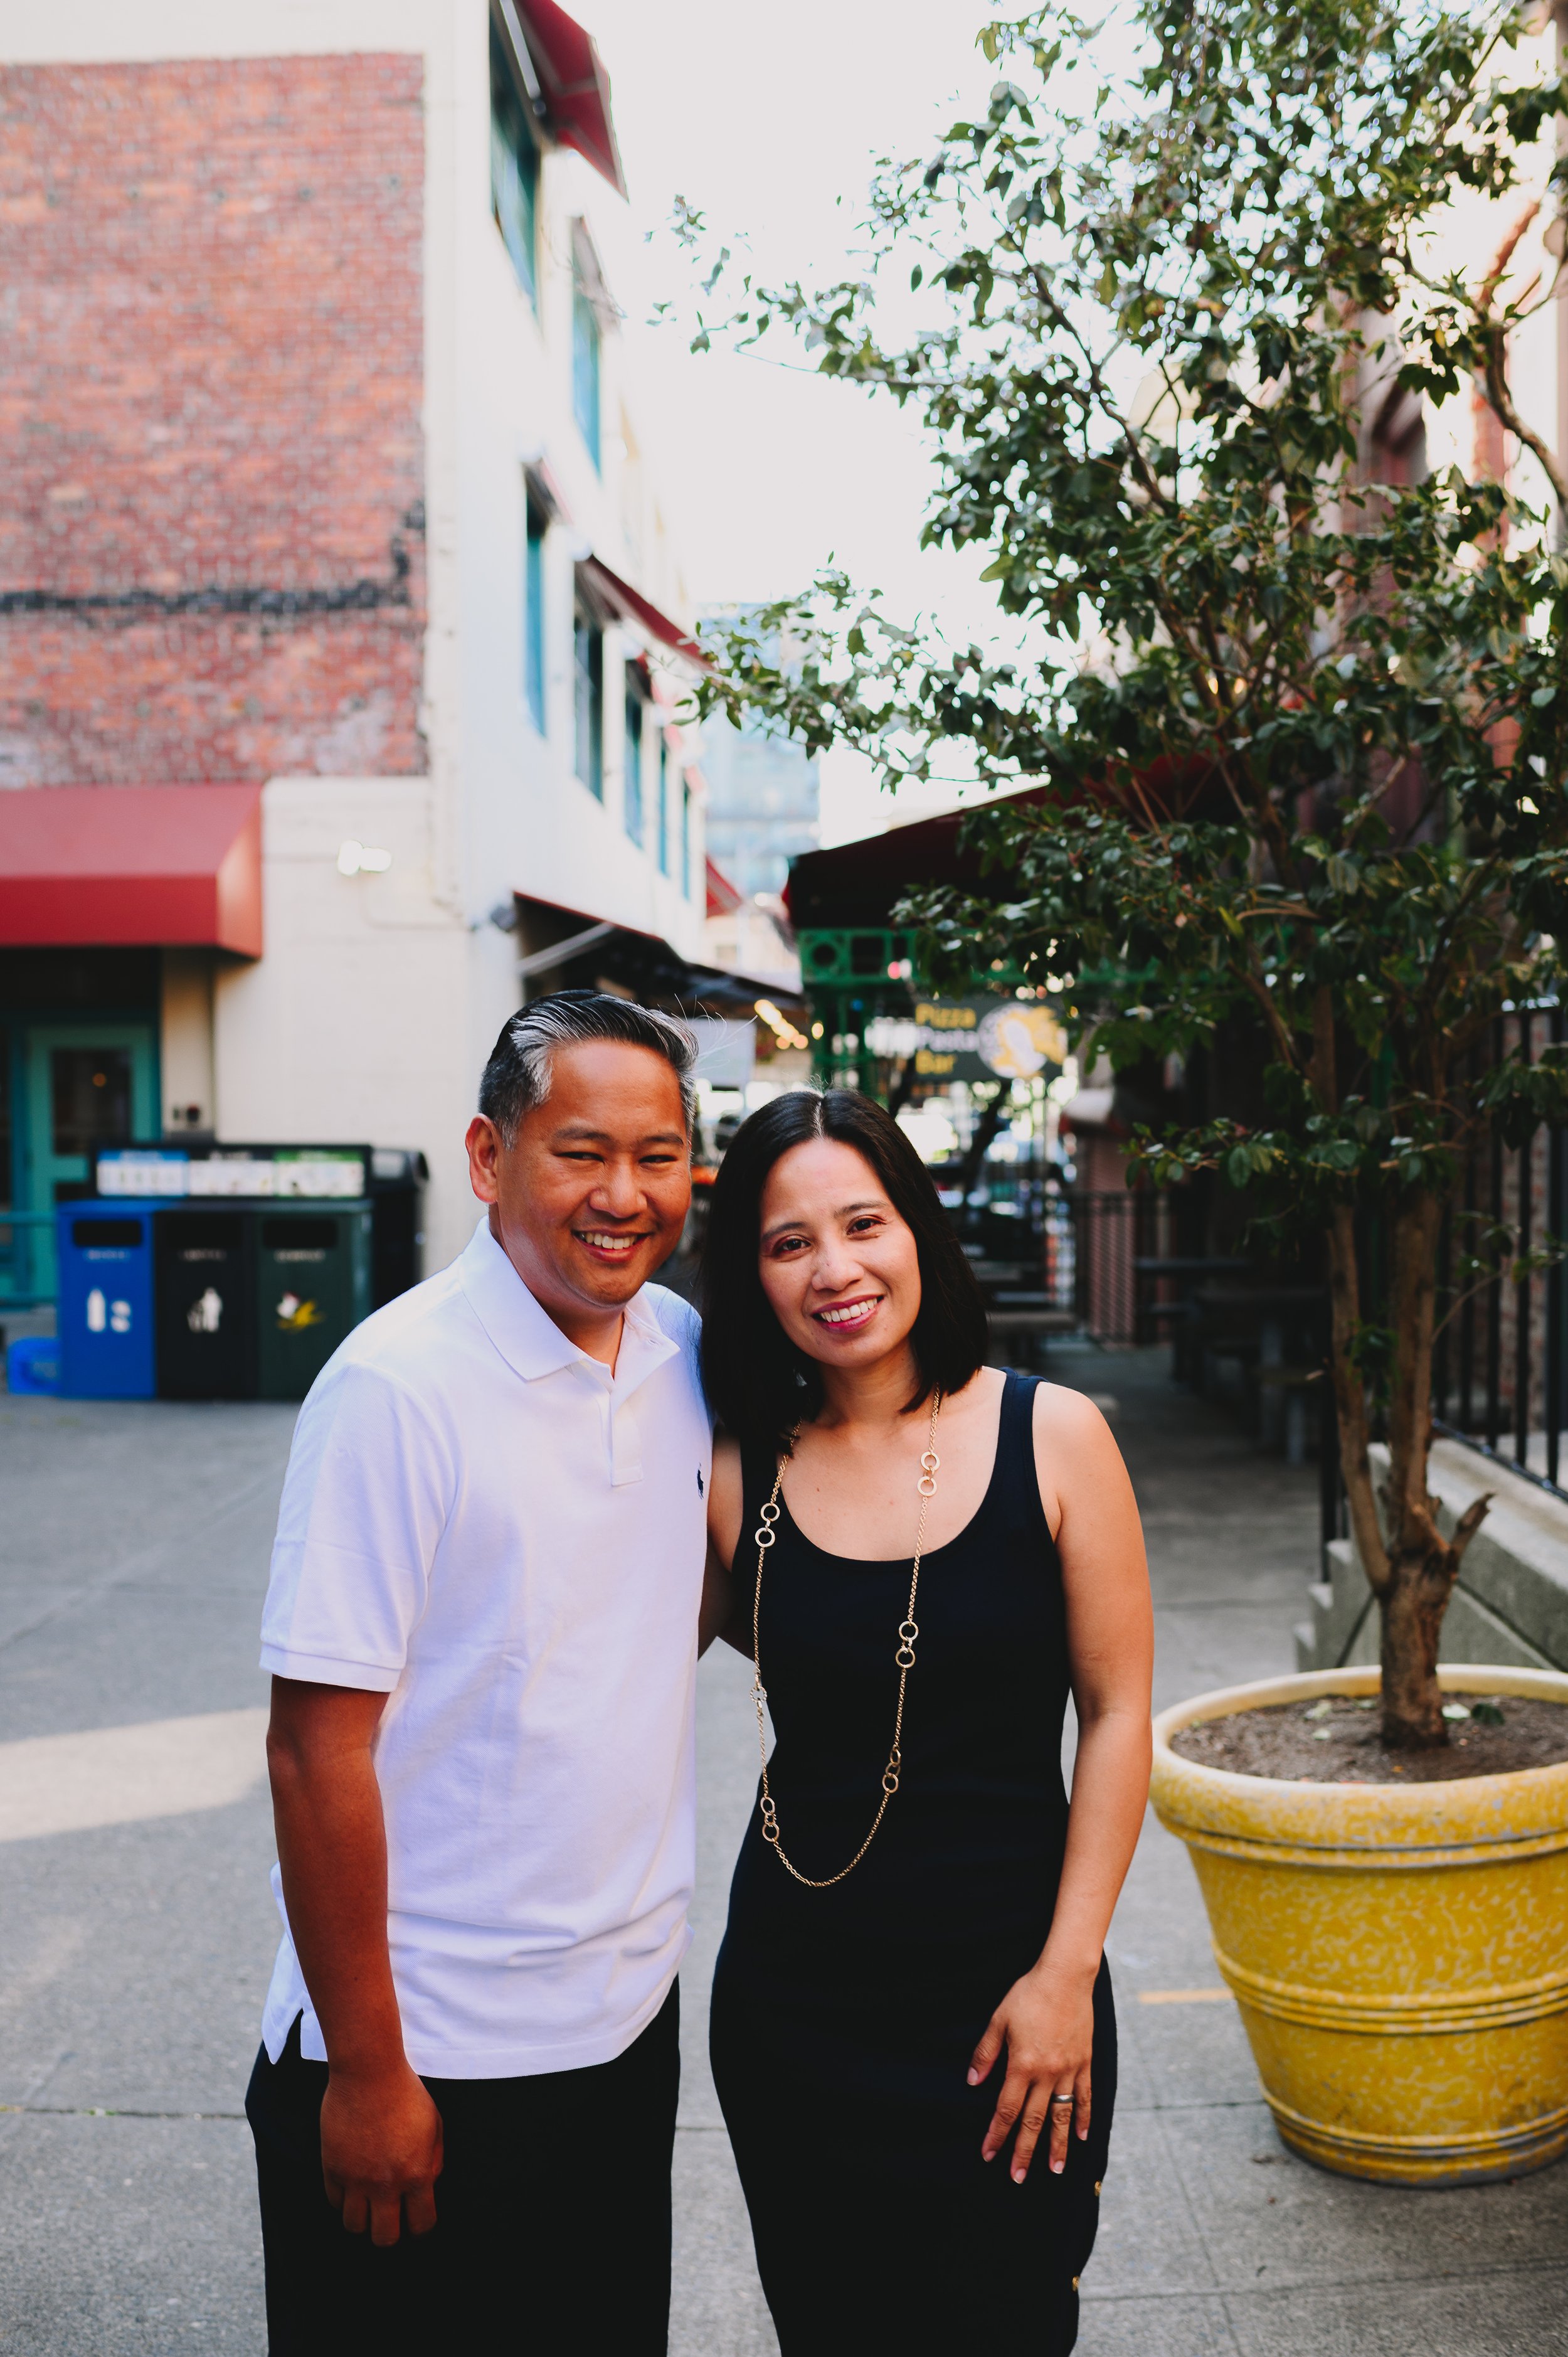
<point x="973" y="1039"/>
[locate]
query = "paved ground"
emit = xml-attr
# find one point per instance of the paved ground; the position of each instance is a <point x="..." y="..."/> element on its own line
<point x="136" y="1932"/>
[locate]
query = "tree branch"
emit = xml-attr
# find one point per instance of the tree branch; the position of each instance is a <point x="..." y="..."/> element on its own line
<point x="1495" y="374"/>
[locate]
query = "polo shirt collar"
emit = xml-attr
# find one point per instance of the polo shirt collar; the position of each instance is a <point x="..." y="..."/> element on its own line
<point x="526" y="1336"/>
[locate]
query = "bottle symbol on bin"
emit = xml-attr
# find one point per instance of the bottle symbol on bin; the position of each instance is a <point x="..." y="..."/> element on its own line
<point x="101" y="1315"/>
<point x="206" y="1315"/>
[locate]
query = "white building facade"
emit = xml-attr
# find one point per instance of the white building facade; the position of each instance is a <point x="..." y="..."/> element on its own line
<point x="436" y="221"/>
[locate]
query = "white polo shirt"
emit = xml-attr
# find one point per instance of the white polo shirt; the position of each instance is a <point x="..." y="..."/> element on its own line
<point x="482" y="1524"/>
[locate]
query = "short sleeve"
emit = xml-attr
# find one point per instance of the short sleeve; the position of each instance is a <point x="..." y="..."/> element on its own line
<point x="681" y="1323"/>
<point x="365" y="1501"/>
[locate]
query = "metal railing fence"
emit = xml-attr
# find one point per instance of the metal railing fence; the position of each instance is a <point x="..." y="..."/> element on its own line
<point x="1498" y="1361"/>
<point x="1498" y="1367"/>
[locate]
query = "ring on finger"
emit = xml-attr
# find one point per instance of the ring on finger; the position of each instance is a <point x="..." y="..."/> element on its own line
<point x="1061" y="2103"/>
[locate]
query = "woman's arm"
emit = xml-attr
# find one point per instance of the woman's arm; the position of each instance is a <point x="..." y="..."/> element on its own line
<point x="722" y="1614"/>
<point x="1046" y="2020"/>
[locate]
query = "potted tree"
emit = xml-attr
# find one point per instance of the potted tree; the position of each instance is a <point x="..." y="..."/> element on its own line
<point x="1296" y="687"/>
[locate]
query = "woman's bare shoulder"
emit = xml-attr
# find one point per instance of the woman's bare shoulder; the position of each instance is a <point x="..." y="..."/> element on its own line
<point x="1061" y="1411"/>
<point x="1075" y="1450"/>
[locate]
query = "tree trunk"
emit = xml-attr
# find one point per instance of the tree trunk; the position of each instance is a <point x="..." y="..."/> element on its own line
<point x="1410" y="1608"/>
<point x="1421" y="1562"/>
<point x="1411" y="1566"/>
<point x="1350" y="1398"/>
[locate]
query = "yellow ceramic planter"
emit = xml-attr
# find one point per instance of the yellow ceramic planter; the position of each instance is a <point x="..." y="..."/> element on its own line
<point x="1399" y="1953"/>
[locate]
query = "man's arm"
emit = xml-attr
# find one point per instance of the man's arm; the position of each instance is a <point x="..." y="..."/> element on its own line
<point x="380" y="2134"/>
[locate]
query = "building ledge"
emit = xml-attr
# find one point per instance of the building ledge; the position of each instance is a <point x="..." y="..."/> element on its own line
<point x="1510" y="1602"/>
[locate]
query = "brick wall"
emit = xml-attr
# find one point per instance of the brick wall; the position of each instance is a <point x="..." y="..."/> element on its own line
<point x="211" y="552"/>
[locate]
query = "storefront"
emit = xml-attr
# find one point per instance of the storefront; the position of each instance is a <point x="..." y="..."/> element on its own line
<point x="973" y="1077"/>
<point x="116" y="903"/>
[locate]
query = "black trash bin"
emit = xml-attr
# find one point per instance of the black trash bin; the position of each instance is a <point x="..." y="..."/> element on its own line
<point x="204" y="1302"/>
<point x="313" y="1286"/>
<point x="399" y="1175"/>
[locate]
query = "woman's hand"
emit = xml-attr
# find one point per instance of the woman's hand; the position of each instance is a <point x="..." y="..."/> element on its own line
<point x="1046" y="2023"/>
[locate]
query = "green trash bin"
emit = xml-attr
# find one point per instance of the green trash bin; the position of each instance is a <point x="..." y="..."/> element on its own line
<point x="313" y="1286"/>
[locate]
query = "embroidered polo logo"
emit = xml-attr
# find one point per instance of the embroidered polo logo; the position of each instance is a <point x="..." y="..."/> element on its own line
<point x="701" y="1491"/>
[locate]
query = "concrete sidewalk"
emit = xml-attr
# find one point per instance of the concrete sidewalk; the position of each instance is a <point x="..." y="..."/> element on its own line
<point x="137" y="1932"/>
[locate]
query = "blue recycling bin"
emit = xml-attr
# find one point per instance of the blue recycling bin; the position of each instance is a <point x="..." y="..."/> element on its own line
<point x="104" y="1313"/>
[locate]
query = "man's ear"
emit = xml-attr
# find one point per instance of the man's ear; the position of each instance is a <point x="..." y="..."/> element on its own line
<point x="484" y="1144"/>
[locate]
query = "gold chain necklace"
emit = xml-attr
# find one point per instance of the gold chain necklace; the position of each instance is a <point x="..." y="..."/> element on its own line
<point x="908" y="1629"/>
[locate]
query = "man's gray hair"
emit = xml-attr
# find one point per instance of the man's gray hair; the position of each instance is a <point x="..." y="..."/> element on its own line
<point x="517" y="1077"/>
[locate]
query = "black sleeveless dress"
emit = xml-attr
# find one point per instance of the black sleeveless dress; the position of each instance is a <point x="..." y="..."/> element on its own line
<point x="844" y="2019"/>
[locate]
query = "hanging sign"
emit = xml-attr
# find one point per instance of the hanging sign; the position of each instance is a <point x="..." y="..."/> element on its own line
<point x="982" y="1039"/>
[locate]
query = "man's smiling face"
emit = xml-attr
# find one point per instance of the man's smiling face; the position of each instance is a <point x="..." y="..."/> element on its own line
<point x="592" y="1195"/>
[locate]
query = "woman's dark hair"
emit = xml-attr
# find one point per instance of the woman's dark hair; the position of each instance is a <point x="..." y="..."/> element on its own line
<point x="758" y="1385"/>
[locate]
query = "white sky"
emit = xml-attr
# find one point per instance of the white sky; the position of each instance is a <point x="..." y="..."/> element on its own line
<point x="761" y="118"/>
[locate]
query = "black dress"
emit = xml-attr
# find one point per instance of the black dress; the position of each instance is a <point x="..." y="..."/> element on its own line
<point x="844" y="2019"/>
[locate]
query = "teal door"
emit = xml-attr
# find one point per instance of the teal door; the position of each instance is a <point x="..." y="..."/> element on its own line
<point x="85" y="1085"/>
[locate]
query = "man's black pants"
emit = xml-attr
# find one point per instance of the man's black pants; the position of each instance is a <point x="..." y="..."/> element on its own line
<point x="553" y="2215"/>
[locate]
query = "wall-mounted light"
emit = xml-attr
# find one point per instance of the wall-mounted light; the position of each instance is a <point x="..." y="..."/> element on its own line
<point x="358" y="859"/>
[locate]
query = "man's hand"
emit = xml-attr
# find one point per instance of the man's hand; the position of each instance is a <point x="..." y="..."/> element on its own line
<point x="381" y="2151"/>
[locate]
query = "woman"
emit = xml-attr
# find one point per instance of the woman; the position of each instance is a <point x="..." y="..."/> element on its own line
<point x="912" y="2029"/>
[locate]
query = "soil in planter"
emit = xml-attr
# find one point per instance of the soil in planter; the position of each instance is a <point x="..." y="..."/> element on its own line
<point x="1335" y="1739"/>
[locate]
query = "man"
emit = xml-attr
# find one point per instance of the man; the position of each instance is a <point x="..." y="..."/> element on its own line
<point x="482" y="1627"/>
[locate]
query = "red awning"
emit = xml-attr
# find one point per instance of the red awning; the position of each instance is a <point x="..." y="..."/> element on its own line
<point x="149" y="867"/>
<point x="724" y="898"/>
<point x="573" y="85"/>
<point x="635" y="608"/>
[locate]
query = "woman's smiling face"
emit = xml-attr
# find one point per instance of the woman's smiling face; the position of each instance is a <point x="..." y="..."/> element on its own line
<point x="838" y="1263"/>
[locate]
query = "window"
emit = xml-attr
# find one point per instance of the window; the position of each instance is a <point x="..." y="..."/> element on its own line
<point x="585" y="362"/>
<point x="533" y="615"/>
<point x="685" y="838"/>
<point x="632" y="784"/>
<point x="91" y="1089"/>
<point x="514" y="172"/>
<point x="663" y="803"/>
<point x="588" y="668"/>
